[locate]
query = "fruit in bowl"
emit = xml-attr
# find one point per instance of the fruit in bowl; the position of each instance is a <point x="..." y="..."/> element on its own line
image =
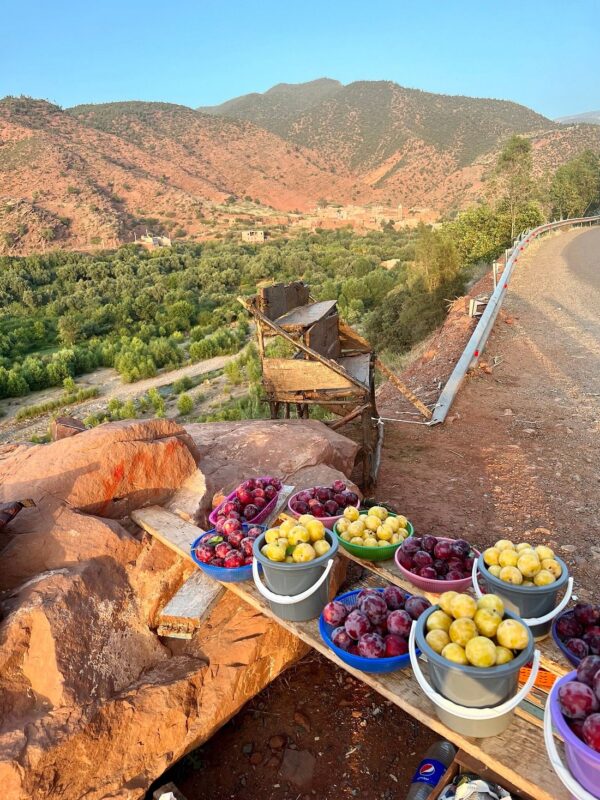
<point x="579" y="630"/>
<point x="324" y="501"/>
<point x="296" y="541"/>
<point x="437" y="558"/>
<point x="227" y="550"/>
<point x="579" y="702"/>
<point x="247" y="502"/>
<point x="474" y="633"/>
<point x="378" y="625"/>
<point x="522" y="564"/>
<point x="375" y="528"/>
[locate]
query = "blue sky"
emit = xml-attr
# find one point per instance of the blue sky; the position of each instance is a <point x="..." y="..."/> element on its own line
<point x="541" y="54"/>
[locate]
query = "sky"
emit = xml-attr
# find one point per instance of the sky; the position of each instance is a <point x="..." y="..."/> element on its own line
<point x="542" y="53"/>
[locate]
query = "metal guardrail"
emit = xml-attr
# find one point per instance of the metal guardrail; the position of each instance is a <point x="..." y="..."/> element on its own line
<point x="479" y="337"/>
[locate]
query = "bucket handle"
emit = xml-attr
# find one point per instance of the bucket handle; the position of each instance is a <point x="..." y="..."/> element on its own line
<point x="283" y="599"/>
<point x="532" y="621"/>
<point x="562" y="772"/>
<point x="465" y="711"/>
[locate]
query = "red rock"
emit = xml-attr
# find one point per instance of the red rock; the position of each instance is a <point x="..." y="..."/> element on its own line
<point x="63" y="427"/>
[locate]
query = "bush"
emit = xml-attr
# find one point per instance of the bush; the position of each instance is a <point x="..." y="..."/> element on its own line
<point x="185" y="404"/>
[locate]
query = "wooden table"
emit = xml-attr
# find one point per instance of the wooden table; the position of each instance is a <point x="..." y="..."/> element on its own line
<point x="518" y="754"/>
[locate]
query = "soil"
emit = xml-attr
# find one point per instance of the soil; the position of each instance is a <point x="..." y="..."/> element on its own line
<point x="346" y="741"/>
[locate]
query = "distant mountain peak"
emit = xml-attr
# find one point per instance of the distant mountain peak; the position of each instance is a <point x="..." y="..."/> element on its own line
<point x="589" y="117"/>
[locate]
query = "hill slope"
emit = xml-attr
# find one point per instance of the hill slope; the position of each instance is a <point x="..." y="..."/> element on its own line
<point x="589" y="117"/>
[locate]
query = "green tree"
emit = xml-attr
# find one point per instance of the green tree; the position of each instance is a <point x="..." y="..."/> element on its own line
<point x="185" y="404"/>
<point x="514" y="177"/>
<point x="575" y="186"/>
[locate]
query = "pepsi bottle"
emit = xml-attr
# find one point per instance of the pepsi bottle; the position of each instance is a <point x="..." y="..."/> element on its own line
<point x="429" y="772"/>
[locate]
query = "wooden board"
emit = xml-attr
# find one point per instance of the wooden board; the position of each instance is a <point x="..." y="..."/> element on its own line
<point x="304" y="316"/>
<point x="278" y="299"/>
<point x="521" y="746"/>
<point x="168" y="528"/>
<point x="359" y="366"/>
<point x="191" y="604"/>
<point x="293" y="375"/>
<point x="322" y="337"/>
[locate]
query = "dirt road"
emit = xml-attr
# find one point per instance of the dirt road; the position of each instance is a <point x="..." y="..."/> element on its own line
<point x="109" y="383"/>
<point x="520" y="449"/>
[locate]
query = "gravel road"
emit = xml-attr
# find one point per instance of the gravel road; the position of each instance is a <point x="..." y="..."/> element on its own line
<point x="520" y="449"/>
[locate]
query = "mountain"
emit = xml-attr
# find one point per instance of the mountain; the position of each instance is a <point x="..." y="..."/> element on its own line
<point x="98" y="175"/>
<point x="367" y="123"/>
<point x="589" y="117"/>
<point x="104" y="172"/>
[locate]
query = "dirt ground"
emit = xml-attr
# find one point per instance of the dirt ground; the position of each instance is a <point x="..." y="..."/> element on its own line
<point x="315" y="732"/>
<point x="518" y="455"/>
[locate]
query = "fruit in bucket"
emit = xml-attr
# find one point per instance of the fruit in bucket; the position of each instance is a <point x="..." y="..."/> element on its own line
<point x="477" y="634"/>
<point x="324" y="501"/>
<point x="579" y="629"/>
<point x="437" y="558"/>
<point x="335" y="613"/>
<point x="579" y="701"/>
<point x="248" y="501"/>
<point x="298" y="541"/>
<point x="522" y="564"/>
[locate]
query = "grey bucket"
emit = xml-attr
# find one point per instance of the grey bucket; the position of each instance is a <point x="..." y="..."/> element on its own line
<point x="294" y="582"/>
<point x="536" y="605"/>
<point x="473" y="701"/>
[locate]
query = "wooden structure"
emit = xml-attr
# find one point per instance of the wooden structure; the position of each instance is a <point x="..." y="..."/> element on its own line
<point x="330" y="364"/>
<point x="517" y="757"/>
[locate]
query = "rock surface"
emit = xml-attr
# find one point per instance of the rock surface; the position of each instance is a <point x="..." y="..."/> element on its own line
<point x="92" y="703"/>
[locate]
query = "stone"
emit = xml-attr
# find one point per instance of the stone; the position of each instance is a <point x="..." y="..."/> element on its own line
<point x="109" y="470"/>
<point x="277" y="742"/>
<point x="256" y="759"/>
<point x="298" y="767"/>
<point x="302" y="720"/>
<point x="63" y="427"/>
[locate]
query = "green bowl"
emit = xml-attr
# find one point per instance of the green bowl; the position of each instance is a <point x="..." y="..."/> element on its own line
<point x="372" y="553"/>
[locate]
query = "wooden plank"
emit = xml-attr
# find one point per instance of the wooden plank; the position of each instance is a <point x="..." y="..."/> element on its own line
<point x="279" y="298"/>
<point x="359" y="366"/>
<point x="304" y="316"/>
<point x="168" y="528"/>
<point x="192" y="603"/>
<point x="351" y="340"/>
<point x="322" y="337"/>
<point x="522" y="743"/>
<point x="403" y="389"/>
<point x="291" y="375"/>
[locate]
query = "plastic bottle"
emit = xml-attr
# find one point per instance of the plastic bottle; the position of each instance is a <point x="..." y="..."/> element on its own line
<point x="429" y="772"/>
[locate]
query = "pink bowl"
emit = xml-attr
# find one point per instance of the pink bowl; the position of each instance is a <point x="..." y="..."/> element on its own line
<point x="430" y="585"/>
<point x="260" y="517"/>
<point x="329" y="522"/>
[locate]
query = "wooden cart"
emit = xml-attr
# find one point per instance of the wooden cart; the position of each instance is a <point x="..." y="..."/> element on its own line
<point x="329" y="365"/>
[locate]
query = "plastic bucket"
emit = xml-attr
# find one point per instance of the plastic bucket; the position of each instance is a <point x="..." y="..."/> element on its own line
<point x="472" y="701"/>
<point x="536" y="605"/>
<point x="295" y="592"/>
<point x="582" y="778"/>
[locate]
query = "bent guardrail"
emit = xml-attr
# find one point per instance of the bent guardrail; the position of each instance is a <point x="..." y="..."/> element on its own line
<point x="479" y="337"/>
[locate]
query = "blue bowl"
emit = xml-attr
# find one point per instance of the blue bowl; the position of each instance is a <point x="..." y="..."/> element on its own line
<point x="561" y="645"/>
<point x="373" y="665"/>
<point x="237" y="575"/>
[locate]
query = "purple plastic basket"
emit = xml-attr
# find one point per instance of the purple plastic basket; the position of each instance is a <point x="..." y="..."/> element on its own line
<point x="260" y="517"/>
<point x="584" y="763"/>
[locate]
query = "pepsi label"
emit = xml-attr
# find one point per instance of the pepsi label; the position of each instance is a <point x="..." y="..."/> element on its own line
<point x="429" y="771"/>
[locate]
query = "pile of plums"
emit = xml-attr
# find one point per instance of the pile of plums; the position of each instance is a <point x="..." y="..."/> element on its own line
<point x="579" y="701"/>
<point x="436" y="558"/>
<point x="250" y="499"/>
<point x="378" y="625"/>
<point x="229" y="550"/>
<point x="579" y="630"/>
<point x="324" y="501"/>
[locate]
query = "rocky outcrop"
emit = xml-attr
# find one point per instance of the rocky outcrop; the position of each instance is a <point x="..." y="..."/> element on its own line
<point x="92" y="702"/>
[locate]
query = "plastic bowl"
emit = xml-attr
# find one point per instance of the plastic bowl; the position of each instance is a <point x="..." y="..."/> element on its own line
<point x="374" y="665"/>
<point x="372" y="553"/>
<point x="260" y="517"/>
<point x="329" y="522"/>
<point x="561" y="645"/>
<point x="435" y="586"/>
<point x="223" y="574"/>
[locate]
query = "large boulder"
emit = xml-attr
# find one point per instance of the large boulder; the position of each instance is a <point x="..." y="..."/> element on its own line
<point x="109" y="470"/>
<point x="92" y="702"/>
